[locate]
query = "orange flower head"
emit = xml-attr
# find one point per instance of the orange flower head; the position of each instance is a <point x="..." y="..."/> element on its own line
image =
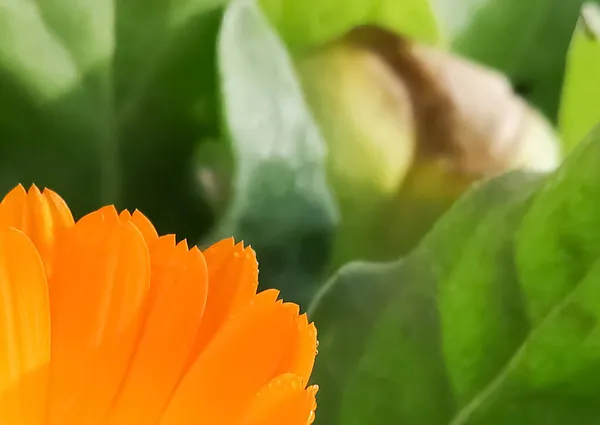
<point x="103" y="322"/>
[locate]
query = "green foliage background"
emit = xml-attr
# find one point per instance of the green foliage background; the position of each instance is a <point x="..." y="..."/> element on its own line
<point x="491" y="319"/>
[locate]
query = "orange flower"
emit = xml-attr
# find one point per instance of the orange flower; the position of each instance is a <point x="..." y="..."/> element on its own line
<point x="104" y="322"/>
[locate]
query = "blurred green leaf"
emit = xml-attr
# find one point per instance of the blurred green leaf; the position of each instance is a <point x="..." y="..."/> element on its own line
<point x="303" y="23"/>
<point x="280" y="202"/>
<point x="492" y="320"/>
<point x="580" y="103"/>
<point x="526" y="39"/>
<point x="104" y="102"/>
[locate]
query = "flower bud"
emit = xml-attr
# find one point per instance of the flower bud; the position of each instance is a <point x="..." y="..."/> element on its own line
<point x="409" y="128"/>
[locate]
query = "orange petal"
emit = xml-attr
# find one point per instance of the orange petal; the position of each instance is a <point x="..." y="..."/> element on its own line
<point x="178" y="289"/>
<point x="109" y="215"/>
<point x="24" y="331"/>
<point x="239" y="361"/>
<point x="300" y="357"/>
<point x="97" y="298"/>
<point x="142" y="223"/>
<point x="233" y="280"/>
<point x="41" y="216"/>
<point x="282" y="401"/>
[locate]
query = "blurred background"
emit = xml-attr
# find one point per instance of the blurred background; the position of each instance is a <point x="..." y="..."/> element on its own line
<point x="320" y="133"/>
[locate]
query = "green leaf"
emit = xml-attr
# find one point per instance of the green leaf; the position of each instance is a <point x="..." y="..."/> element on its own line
<point x="303" y="23"/>
<point x="101" y="101"/>
<point x="492" y="320"/>
<point x="349" y="310"/>
<point x="527" y="40"/>
<point x="281" y="202"/>
<point x="553" y="376"/>
<point x="580" y="103"/>
<point x="558" y="242"/>
<point x="480" y="304"/>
